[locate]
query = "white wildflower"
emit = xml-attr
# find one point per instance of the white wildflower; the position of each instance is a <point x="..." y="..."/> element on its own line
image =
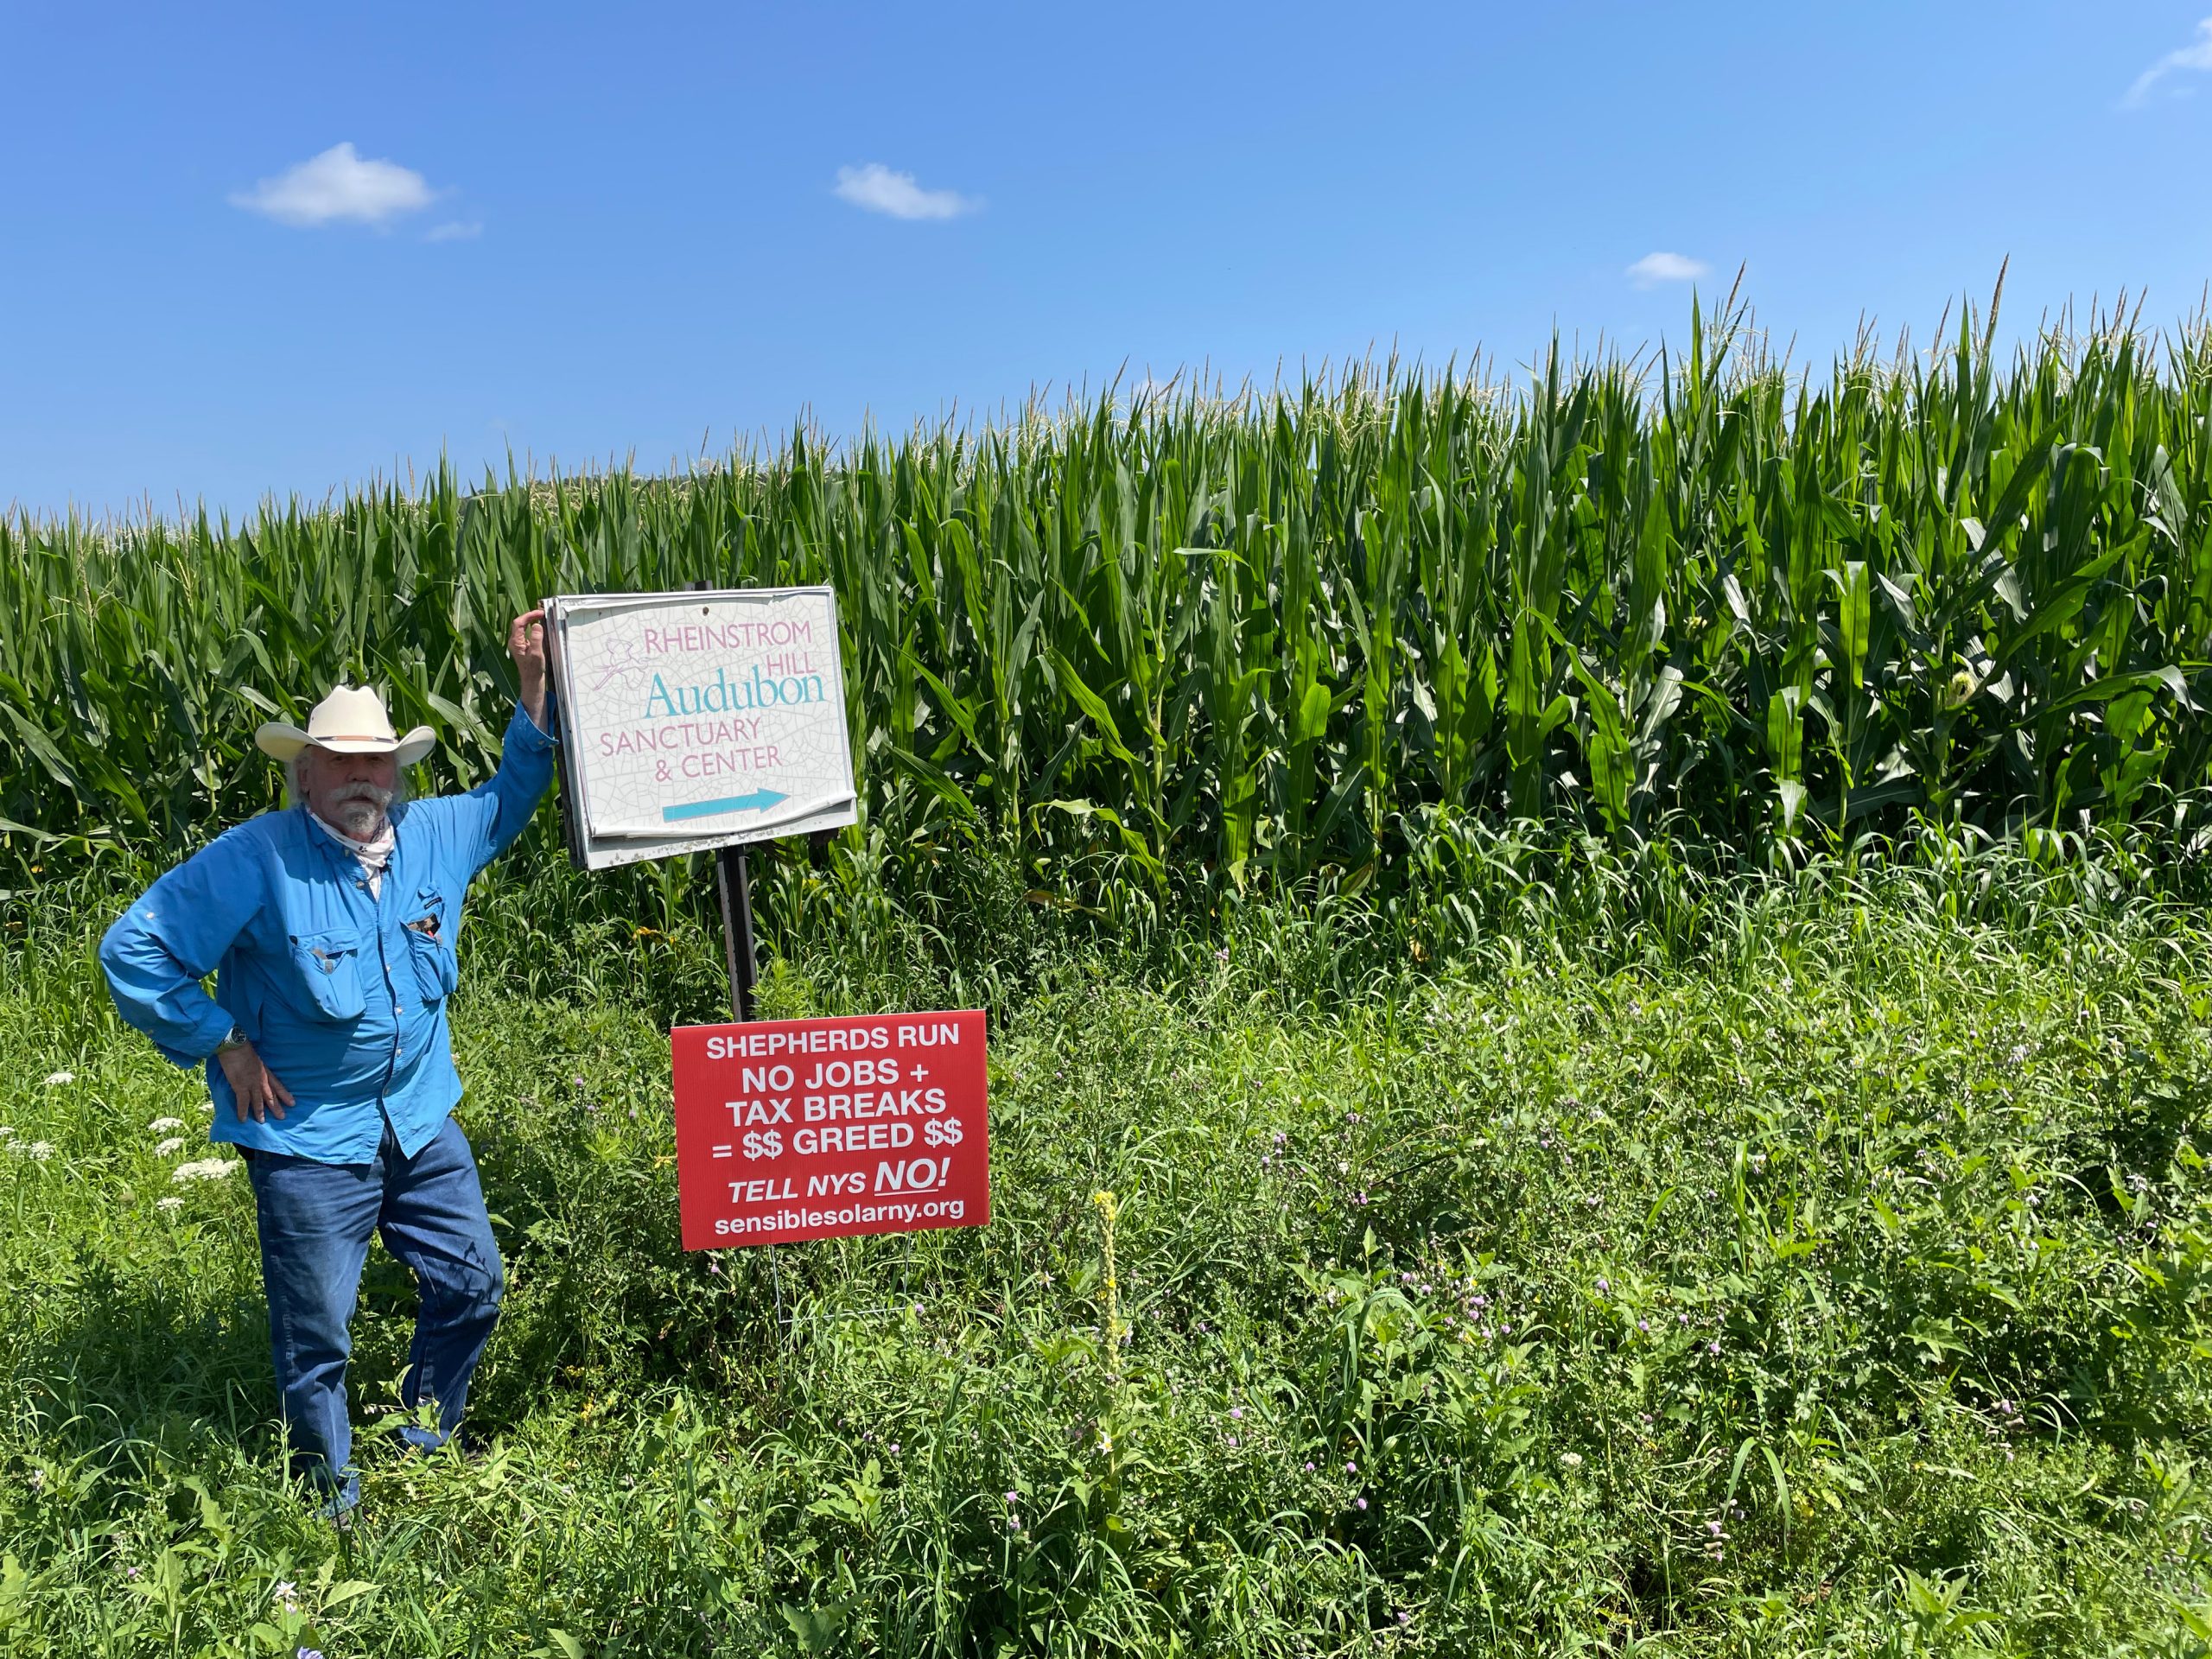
<point x="175" y="1143"/>
<point x="59" y="1079"/>
<point x="168" y="1204"/>
<point x="41" y="1150"/>
<point x="205" y="1169"/>
<point x="5" y="1132"/>
<point x="161" y="1123"/>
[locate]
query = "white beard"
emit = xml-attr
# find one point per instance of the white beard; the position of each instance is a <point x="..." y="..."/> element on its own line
<point x="362" y="820"/>
<point x="363" y="816"/>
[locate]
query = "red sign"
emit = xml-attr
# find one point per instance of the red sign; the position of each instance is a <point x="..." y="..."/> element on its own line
<point x="790" y="1129"/>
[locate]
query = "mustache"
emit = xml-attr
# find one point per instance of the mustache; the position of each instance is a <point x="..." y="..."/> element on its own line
<point x="361" y="791"/>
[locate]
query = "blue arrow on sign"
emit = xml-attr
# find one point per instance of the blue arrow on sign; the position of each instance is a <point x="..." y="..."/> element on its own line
<point x="758" y="801"/>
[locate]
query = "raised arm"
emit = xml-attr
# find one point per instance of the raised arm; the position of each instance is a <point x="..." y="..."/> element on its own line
<point x="491" y="815"/>
<point x="494" y="813"/>
<point x="158" y="951"/>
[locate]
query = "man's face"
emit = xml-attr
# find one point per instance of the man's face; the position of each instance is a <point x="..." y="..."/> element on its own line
<point x="350" y="792"/>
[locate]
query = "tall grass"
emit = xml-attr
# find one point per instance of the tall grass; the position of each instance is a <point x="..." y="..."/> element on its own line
<point x="1277" y="634"/>
<point x="1843" y="1287"/>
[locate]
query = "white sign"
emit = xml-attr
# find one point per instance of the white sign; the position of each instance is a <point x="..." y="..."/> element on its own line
<point x="699" y="719"/>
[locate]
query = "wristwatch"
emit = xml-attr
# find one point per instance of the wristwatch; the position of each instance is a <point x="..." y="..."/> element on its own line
<point x="232" y="1039"/>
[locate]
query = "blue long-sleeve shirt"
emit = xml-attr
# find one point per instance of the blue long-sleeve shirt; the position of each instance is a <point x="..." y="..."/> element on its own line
<point x="341" y="992"/>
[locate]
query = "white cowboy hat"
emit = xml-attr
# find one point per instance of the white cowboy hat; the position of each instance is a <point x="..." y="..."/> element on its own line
<point x="350" y="721"/>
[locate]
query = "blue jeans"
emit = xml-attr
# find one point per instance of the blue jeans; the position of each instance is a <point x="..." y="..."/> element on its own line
<point x="315" y="1220"/>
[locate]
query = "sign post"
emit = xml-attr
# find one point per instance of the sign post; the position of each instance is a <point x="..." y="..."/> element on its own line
<point x="733" y="886"/>
<point x="704" y="721"/>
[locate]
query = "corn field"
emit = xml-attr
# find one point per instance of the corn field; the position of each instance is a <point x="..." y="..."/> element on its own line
<point x="1267" y="635"/>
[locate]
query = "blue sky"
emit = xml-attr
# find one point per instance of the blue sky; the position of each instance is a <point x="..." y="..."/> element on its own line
<point x="589" y="232"/>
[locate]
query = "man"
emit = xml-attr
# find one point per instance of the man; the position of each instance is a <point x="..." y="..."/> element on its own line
<point x="330" y="929"/>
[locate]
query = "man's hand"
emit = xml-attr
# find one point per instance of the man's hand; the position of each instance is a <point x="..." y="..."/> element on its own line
<point x="526" y="645"/>
<point x="258" y="1092"/>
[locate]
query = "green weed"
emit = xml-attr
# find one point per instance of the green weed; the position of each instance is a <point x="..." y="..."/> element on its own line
<point x="1835" y="1280"/>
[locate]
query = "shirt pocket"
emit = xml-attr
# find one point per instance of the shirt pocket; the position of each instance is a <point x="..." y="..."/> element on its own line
<point x="430" y="941"/>
<point x="326" y="968"/>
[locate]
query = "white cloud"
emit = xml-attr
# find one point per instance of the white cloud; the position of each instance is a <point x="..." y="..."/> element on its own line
<point x="1656" y="268"/>
<point x="338" y="184"/>
<point x="2196" y="56"/>
<point x="880" y="190"/>
<point x="454" y="229"/>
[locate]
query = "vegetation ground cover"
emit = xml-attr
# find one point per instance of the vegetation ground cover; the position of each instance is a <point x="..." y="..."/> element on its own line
<point x="1827" y="1274"/>
<point x="1703" y="594"/>
<point x="1600" y="1042"/>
